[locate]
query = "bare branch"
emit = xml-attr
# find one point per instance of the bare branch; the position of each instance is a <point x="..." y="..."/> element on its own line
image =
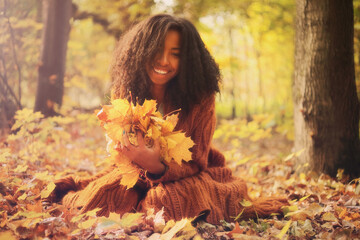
<point x="12" y="37"/>
<point x="4" y="81"/>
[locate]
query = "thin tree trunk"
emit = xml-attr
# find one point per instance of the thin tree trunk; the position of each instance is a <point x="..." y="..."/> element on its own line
<point x="232" y="75"/>
<point x="57" y="14"/>
<point x="260" y="77"/>
<point x="326" y="107"/>
<point x="247" y="75"/>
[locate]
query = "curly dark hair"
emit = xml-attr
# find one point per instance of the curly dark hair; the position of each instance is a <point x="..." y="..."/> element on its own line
<point x="199" y="75"/>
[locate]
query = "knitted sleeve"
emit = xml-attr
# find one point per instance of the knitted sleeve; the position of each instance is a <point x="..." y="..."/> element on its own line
<point x="73" y="183"/>
<point x="200" y="126"/>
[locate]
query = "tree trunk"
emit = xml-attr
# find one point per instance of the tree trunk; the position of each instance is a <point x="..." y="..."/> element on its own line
<point x="232" y="74"/>
<point x="326" y="107"/>
<point x="57" y="14"/>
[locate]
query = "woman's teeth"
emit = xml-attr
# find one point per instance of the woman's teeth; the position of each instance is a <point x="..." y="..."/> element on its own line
<point x="160" y="71"/>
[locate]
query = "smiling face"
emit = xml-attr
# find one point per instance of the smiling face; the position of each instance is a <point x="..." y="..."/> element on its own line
<point x="165" y="64"/>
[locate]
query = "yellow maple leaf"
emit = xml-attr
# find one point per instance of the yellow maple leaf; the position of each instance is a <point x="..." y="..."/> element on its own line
<point x="123" y="118"/>
<point x="169" y="123"/>
<point x="21" y="168"/>
<point x="164" y="149"/>
<point x="114" y="131"/>
<point x="144" y="123"/>
<point x="157" y="119"/>
<point x="130" y="175"/>
<point x="4" y="154"/>
<point x="119" y="110"/>
<point x="22" y="197"/>
<point x="171" y="142"/>
<point x="8" y="234"/>
<point x="179" y="225"/>
<point x="146" y="109"/>
<point x="48" y="190"/>
<point x="43" y="176"/>
<point x="130" y="219"/>
<point x="154" y="131"/>
<point x="87" y="224"/>
<point x="118" y="157"/>
<point x="181" y="150"/>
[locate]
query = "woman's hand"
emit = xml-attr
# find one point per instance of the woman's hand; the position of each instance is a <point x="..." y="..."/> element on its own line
<point x="147" y="158"/>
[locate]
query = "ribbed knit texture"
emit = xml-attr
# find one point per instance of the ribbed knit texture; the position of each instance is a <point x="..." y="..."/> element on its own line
<point x="184" y="190"/>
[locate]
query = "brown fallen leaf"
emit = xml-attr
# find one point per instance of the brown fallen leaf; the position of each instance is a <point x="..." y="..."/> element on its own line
<point x="236" y="230"/>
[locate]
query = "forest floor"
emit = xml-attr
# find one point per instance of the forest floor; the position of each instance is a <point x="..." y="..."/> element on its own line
<point x="41" y="151"/>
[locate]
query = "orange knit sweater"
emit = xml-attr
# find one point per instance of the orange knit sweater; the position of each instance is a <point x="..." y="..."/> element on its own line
<point x="184" y="190"/>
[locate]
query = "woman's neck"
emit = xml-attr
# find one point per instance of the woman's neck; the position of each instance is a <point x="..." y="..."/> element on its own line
<point x="158" y="92"/>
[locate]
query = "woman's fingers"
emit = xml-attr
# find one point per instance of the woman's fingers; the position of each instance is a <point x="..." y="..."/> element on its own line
<point x="117" y="147"/>
<point x="125" y="141"/>
<point x="156" y="145"/>
<point x="140" y="138"/>
<point x="143" y="156"/>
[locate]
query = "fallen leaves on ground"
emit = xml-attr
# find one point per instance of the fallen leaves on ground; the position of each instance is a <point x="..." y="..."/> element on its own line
<point x="44" y="150"/>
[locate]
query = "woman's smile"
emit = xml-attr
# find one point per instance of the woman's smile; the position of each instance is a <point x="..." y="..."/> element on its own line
<point x="159" y="71"/>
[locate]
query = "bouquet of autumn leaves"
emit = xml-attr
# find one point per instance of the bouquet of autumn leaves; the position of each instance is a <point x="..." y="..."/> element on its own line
<point x="124" y="118"/>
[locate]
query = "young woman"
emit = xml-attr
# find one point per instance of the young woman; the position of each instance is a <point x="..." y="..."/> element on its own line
<point x="164" y="58"/>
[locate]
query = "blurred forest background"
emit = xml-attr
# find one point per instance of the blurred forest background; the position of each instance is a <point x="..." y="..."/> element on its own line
<point x="252" y="41"/>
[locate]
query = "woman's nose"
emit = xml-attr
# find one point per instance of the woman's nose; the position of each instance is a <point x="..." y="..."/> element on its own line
<point x="162" y="59"/>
